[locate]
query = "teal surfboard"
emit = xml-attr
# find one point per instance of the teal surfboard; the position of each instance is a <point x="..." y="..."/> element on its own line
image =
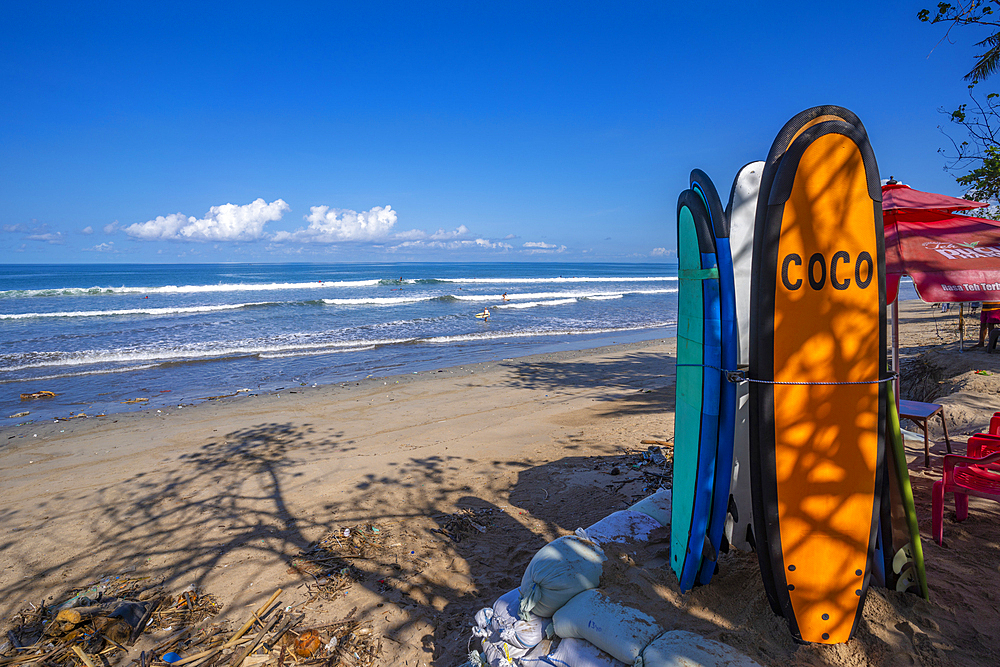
<point x="696" y="415"/>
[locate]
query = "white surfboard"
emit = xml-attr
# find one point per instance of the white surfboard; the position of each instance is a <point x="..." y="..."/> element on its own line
<point x="741" y="211"/>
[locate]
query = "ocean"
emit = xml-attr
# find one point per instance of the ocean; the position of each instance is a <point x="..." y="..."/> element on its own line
<point x="114" y="338"/>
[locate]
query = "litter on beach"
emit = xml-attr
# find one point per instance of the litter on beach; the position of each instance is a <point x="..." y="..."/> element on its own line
<point x="37" y="394"/>
<point x="177" y="630"/>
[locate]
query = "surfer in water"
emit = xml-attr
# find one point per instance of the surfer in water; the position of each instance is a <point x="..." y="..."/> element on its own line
<point x="505" y="297"/>
<point x="485" y="315"/>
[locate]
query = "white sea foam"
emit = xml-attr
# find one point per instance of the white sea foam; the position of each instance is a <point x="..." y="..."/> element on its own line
<point x="606" y="297"/>
<point x="102" y="371"/>
<point x="309" y="353"/>
<point x="576" y="294"/>
<point x="532" y="304"/>
<point x="182" y="354"/>
<point x="560" y="279"/>
<point x="378" y="301"/>
<point x="188" y="289"/>
<point x="495" y="335"/>
<point x="179" y="310"/>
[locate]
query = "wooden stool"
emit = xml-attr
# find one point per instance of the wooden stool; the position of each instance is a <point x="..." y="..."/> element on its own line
<point x="919" y="413"/>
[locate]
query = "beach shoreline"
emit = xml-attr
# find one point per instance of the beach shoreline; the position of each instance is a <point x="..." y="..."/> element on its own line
<point x="226" y="494"/>
<point x="230" y="490"/>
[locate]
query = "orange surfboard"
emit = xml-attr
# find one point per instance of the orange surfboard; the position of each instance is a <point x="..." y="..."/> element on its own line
<point x="818" y="333"/>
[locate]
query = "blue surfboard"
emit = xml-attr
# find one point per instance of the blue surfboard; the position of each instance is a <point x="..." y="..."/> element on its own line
<point x="696" y="412"/>
<point x="730" y="351"/>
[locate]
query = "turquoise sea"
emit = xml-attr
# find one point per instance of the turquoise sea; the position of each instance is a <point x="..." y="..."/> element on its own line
<point x="99" y="335"/>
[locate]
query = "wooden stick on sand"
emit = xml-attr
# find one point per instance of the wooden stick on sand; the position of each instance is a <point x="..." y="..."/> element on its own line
<point x="199" y="658"/>
<point x="83" y="656"/>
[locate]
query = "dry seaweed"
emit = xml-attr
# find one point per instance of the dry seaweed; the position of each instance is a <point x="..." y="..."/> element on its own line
<point x="100" y="621"/>
<point x="329" y="559"/>
<point x="190" y="607"/>
<point x="464" y="523"/>
<point x="83" y="631"/>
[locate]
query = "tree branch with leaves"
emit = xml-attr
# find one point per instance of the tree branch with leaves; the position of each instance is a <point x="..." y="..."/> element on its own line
<point x="980" y="154"/>
<point x="980" y="117"/>
<point x="973" y="12"/>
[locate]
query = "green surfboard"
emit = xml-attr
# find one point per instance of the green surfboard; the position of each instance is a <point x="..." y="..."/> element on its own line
<point x="907" y="561"/>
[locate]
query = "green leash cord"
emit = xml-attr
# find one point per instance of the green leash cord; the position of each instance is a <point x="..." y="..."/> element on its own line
<point x="906" y="491"/>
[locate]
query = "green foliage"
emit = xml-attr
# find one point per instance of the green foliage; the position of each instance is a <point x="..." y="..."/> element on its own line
<point x="983" y="183"/>
<point x="972" y="12"/>
<point x="979" y="118"/>
<point x="980" y="153"/>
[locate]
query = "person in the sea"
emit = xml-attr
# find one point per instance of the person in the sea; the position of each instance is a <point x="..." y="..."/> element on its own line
<point x="485" y="314"/>
<point x="505" y="296"/>
<point x="989" y="316"/>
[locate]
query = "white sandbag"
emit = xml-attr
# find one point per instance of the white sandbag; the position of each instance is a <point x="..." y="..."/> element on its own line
<point x="623" y="526"/>
<point x="506" y="609"/>
<point x="573" y="652"/>
<point x="505" y="625"/>
<point x="526" y="634"/>
<point x="679" y="648"/>
<point x="656" y="506"/>
<point x="539" y="656"/>
<point x="612" y="627"/>
<point x="483" y="623"/>
<point x="560" y="570"/>
<point x="501" y="654"/>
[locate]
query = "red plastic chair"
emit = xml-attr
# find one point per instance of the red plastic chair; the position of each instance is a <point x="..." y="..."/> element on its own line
<point x="995" y="424"/>
<point x="982" y="444"/>
<point x="977" y="474"/>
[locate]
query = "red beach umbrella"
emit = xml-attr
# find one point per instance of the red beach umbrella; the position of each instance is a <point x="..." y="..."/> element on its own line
<point x="897" y="197"/>
<point x="950" y="257"/>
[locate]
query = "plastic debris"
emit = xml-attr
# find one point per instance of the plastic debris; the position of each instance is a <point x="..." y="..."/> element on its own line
<point x="37" y="394"/>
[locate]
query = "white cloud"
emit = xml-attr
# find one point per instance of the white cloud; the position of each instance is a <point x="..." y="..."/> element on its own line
<point x="108" y="247"/>
<point x="412" y="235"/>
<point x="538" y="247"/>
<point x="87" y="230"/>
<point x="328" y="225"/>
<point x="54" y="238"/>
<point x="493" y="245"/>
<point x="441" y="234"/>
<point x="661" y="252"/>
<point x="228" y="222"/>
<point x="36" y="232"/>
<point x="111" y="228"/>
<point x="454" y="244"/>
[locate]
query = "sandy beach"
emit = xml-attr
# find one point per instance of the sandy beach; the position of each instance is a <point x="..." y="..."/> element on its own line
<point x="226" y="494"/>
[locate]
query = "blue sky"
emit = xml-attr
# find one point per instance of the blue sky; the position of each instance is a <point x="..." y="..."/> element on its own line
<point x="563" y="131"/>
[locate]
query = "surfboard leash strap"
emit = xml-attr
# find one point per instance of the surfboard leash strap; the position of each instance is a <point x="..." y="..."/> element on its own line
<point x="737" y="377"/>
<point x="711" y="273"/>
